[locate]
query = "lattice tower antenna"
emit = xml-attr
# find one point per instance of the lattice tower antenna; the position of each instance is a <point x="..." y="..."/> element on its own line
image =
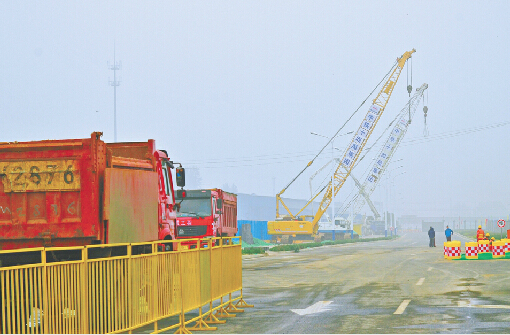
<point x="116" y="66"/>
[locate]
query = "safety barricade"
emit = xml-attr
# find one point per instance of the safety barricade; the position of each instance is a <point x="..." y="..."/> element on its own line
<point x="116" y="288"/>
<point x="498" y="249"/>
<point x="483" y="247"/>
<point x="471" y="250"/>
<point x="445" y="250"/>
<point x="507" y="244"/>
<point x="452" y="250"/>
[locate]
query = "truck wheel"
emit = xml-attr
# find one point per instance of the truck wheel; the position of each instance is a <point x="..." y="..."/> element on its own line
<point x="169" y="246"/>
<point x="217" y="242"/>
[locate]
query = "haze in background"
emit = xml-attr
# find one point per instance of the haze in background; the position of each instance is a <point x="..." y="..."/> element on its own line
<point x="234" y="89"/>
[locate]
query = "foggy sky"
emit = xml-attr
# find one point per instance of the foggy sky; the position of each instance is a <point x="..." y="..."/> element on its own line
<point x="234" y="88"/>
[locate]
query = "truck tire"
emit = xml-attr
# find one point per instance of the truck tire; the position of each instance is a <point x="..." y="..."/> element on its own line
<point x="169" y="246"/>
<point x="217" y="241"/>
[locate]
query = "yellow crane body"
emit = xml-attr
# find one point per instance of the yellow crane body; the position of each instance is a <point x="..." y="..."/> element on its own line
<point x="298" y="226"/>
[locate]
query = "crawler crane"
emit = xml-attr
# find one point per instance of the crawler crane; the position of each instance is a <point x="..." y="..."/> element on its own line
<point x="294" y="224"/>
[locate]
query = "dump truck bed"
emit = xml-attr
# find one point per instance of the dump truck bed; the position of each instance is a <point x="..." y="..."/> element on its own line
<point x="52" y="191"/>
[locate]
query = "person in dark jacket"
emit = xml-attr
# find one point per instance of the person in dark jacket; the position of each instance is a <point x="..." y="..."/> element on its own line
<point x="432" y="236"/>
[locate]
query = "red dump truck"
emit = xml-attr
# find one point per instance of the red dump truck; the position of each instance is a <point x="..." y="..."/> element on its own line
<point x="206" y="213"/>
<point x="84" y="191"/>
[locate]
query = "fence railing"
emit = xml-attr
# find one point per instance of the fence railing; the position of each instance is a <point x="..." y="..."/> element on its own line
<point x="120" y="287"/>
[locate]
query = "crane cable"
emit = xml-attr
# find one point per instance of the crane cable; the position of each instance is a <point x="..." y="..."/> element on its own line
<point x="352" y="115"/>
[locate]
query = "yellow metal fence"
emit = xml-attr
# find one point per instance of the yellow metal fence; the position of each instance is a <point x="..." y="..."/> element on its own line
<point x="120" y="287"/>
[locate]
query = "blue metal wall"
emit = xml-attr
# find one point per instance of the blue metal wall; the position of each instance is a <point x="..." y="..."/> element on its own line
<point x="258" y="229"/>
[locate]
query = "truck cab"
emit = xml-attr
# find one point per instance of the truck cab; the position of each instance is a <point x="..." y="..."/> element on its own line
<point x="167" y="208"/>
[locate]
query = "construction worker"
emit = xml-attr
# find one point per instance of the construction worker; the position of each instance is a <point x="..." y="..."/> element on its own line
<point x="487" y="236"/>
<point x="490" y="244"/>
<point x="479" y="234"/>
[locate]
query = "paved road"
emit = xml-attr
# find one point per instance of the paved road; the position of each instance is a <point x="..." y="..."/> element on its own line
<point x="399" y="286"/>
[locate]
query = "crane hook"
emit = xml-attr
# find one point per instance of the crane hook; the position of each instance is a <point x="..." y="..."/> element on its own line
<point x="425" y="129"/>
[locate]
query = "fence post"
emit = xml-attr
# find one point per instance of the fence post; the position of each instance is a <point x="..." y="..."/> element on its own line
<point x="201" y="324"/>
<point x="45" y="314"/>
<point x="241" y="302"/>
<point x="212" y="319"/>
<point x="182" y="324"/>
<point x="222" y="312"/>
<point x="130" y="287"/>
<point x="155" y="289"/>
<point x="83" y="291"/>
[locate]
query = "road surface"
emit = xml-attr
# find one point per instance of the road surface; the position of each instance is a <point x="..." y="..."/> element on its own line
<point x="398" y="286"/>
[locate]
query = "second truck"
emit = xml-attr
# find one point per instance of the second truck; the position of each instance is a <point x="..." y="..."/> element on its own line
<point x="205" y="213"/>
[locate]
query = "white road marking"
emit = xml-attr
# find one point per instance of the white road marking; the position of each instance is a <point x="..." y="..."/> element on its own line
<point x="466" y="304"/>
<point x="402" y="307"/>
<point x="465" y="238"/>
<point x="502" y="279"/>
<point x="315" y="308"/>
<point x="430" y="269"/>
<point x="420" y="281"/>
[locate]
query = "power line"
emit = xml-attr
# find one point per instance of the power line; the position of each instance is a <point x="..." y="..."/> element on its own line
<point x="284" y="158"/>
<point x="455" y="133"/>
<point x="254" y="158"/>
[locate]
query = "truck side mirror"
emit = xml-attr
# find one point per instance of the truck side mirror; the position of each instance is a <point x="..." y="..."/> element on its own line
<point x="219" y="204"/>
<point x="180" y="194"/>
<point x="180" y="179"/>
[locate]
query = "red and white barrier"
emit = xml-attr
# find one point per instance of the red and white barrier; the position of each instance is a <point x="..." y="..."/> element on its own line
<point x="507" y="244"/>
<point x="483" y="246"/>
<point x="498" y="249"/>
<point x="471" y="250"/>
<point x="452" y="250"/>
